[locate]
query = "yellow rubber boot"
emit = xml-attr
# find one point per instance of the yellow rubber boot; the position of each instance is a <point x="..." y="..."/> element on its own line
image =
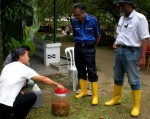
<point x="116" y="99"/>
<point x="83" y="85"/>
<point x="136" y="102"/>
<point x="94" y="93"/>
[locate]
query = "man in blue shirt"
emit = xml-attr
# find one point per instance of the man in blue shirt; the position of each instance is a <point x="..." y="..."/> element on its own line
<point x="86" y="32"/>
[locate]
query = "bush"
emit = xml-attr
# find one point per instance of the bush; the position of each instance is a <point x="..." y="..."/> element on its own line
<point x="67" y="38"/>
<point x="106" y="40"/>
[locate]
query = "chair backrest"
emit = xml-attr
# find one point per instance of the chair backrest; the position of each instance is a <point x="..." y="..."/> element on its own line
<point x="70" y="57"/>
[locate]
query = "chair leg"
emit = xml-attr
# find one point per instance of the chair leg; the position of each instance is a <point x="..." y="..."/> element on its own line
<point x="74" y="81"/>
<point x="69" y="77"/>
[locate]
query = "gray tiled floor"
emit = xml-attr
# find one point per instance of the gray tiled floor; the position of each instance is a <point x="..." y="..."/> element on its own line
<point x="38" y="65"/>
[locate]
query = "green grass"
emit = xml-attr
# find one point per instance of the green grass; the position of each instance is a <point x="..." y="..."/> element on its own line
<point x="82" y="108"/>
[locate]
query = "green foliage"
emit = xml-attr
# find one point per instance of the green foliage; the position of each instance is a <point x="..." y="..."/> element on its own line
<point x="13" y="43"/>
<point x="27" y="39"/>
<point x="106" y="11"/>
<point x="143" y="6"/>
<point x="13" y="12"/>
<point x="17" y="10"/>
<point x="44" y="10"/>
<point x="106" y="40"/>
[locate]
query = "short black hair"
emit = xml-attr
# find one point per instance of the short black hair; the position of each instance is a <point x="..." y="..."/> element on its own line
<point x="17" y="52"/>
<point x="27" y="48"/>
<point x="81" y="6"/>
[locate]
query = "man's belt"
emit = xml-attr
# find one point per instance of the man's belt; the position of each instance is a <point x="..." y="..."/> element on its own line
<point x="86" y="44"/>
<point x="125" y="46"/>
<point x="131" y="48"/>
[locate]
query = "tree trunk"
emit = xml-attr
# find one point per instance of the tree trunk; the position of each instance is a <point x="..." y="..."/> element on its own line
<point x="1" y="42"/>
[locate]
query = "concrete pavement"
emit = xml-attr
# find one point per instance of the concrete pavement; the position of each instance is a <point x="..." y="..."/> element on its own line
<point x="38" y="65"/>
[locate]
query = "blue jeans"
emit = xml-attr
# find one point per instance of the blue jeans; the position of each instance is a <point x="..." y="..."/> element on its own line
<point x="126" y="61"/>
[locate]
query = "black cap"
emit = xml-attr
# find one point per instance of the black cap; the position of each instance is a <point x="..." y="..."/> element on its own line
<point x="126" y="1"/>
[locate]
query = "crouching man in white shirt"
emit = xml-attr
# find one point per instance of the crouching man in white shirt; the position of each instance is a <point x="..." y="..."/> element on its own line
<point x="12" y="79"/>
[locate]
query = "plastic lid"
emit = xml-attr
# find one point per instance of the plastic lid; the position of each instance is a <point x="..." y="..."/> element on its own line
<point x="60" y="91"/>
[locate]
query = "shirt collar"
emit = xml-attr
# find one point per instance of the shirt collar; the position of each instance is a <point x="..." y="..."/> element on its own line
<point x="132" y="14"/>
<point x="87" y="18"/>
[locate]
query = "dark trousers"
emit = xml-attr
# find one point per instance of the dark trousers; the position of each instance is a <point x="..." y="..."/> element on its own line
<point x="20" y="109"/>
<point x="85" y="61"/>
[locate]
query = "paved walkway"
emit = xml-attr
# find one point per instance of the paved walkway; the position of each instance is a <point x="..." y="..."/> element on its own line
<point x="38" y="65"/>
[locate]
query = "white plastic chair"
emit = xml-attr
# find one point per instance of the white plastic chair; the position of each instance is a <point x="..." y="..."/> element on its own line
<point x="71" y="66"/>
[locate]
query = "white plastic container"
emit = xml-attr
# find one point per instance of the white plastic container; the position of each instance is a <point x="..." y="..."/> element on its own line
<point x="38" y="93"/>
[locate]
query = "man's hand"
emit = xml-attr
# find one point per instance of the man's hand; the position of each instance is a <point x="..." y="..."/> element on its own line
<point x="142" y="61"/>
<point x="21" y="92"/>
<point x="114" y="46"/>
<point x="60" y="86"/>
